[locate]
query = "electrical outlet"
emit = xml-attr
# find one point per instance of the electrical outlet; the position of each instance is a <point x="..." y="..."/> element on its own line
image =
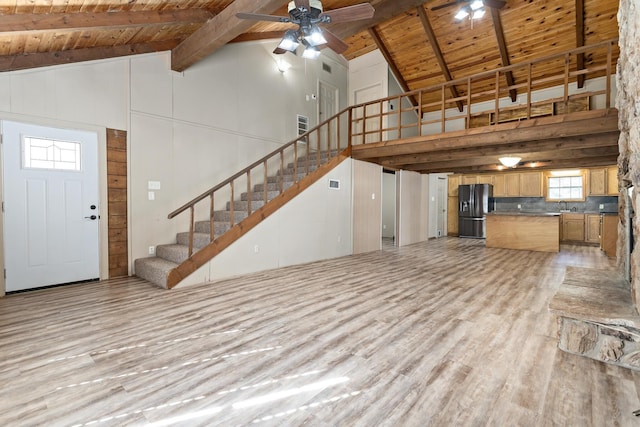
<point x="519" y="206"/>
<point x="152" y="250"/>
<point x="601" y="206"/>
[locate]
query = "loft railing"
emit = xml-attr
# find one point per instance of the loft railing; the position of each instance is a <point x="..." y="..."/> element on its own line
<point x="307" y="152"/>
<point x="516" y="92"/>
<point x="417" y="113"/>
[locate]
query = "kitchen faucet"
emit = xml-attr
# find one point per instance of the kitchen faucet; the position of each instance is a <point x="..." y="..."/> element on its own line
<point x="560" y="205"/>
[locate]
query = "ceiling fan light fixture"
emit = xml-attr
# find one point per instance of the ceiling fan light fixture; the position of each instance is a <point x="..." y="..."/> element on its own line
<point x="510" y="161"/>
<point x="477" y="14"/>
<point x="315" y="37"/>
<point x="289" y="42"/>
<point x="462" y="13"/>
<point x="476" y="4"/>
<point x="311" y="52"/>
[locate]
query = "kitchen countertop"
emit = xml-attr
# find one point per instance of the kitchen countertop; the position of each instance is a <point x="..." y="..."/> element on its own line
<point x="528" y="213"/>
<point x="524" y="213"/>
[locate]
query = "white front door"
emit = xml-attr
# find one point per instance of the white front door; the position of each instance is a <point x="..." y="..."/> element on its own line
<point x="51" y="212"/>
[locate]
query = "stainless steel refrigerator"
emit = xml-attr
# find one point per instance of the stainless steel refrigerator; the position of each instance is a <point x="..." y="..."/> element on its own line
<point x="473" y="205"/>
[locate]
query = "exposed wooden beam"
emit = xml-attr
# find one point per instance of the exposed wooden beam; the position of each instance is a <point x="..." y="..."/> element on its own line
<point x="504" y="55"/>
<point x="580" y="39"/>
<point x="35" y="60"/>
<point x="87" y="20"/>
<point x="523" y="147"/>
<point x="218" y="31"/>
<point x="392" y="64"/>
<point x="266" y="35"/>
<point x="438" y="53"/>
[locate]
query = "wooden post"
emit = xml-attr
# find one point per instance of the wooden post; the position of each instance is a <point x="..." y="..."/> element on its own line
<point x="529" y="90"/>
<point x="248" y="192"/>
<point x="281" y="172"/>
<point x="468" y="103"/>
<point x="266" y="177"/>
<point x="443" y="108"/>
<point x="211" y="219"/>
<point x="232" y="210"/>
<point x="496" y="119"/>
<point x="191" y="230"/>
<point x="608" y="78"/>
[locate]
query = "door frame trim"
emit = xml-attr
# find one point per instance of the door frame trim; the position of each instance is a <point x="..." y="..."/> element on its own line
<point x="101" y="133"/>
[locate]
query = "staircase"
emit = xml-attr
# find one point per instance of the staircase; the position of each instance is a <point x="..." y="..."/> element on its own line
<point x="173" y="262"/>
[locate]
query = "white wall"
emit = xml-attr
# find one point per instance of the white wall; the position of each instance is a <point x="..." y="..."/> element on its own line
<point x="187" y="130"/>
<point x="388" y="205"/>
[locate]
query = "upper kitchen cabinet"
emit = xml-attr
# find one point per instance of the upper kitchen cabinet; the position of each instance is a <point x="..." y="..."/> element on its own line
<point x="469" y="179"/>
<point x="531" y="184"/>
<point x="453" y="183"/>
<point x="603" y="181"/>
<point x="612" y="180"/>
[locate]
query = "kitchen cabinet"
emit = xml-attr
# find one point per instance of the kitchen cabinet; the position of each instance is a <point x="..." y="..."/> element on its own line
<point x="453" y="183"/>
<point x="469" y="179"/>
<point x="498" y="186"/>
<point x="612" y="181"/>
<point x="452" y="215"/>
<point x="609" y="234"/>
<point x="592" y="228"/>
<point x="531" y="184"/>
<point x="485" y="179"/>
<point x="597" y="182"/>
<point x="512" y="185"/>
<point x="572" y="227"/>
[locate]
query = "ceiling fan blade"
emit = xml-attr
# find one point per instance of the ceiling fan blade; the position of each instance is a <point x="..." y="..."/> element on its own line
<point x="260" y="17"/>
<point x="495" y="4"/>
<point x="303" y="4"/>
<point x="333" y="42"/>
<point x="350" y="13"/>
<point x="442" y="6"/>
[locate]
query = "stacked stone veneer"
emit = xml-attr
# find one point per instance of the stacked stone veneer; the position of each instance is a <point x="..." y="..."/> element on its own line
<point x="628" y="105"/>
<point x="616" y="344"/>
<point x="597" y="318"/>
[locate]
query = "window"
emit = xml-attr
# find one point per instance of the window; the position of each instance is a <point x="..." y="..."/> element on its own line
<point x="565" y="187"/>
<point x="40" y="153"/>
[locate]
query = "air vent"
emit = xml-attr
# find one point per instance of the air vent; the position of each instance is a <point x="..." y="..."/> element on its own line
<point x="303" y="124"/>
<point x="326" y="67"/>
<point x="334" y="184"/>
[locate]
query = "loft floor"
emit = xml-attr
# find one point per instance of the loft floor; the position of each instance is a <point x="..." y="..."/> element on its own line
<point x="445" y="332"/>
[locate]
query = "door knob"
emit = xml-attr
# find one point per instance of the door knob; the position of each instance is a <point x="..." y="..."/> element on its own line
<point x="92" y="217"/>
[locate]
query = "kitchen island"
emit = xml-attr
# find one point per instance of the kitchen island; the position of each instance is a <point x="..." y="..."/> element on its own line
<point x="529" y="231"/>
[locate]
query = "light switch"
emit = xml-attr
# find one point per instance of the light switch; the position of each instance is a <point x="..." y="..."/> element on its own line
<point x="152" y="195"/>
<point x="154" y="185"/>
<point x="373" y="196"/>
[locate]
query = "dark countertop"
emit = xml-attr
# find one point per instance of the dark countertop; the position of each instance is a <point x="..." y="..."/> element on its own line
<point x="501" y="213"/>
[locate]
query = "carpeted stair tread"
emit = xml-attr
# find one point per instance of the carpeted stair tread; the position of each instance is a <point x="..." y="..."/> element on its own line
<point x="200" y="240"/>
<point x="154" y="269"/>
<point x="173" y="252"/>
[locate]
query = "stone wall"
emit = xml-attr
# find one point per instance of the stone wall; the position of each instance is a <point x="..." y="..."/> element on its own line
<point x="628" y="105"/>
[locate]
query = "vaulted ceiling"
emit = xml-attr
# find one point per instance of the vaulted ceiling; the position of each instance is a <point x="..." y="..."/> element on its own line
<point x="421" y="40"/>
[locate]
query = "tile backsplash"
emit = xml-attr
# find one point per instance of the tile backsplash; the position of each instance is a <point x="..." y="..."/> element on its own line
<point x="539" y="204"/>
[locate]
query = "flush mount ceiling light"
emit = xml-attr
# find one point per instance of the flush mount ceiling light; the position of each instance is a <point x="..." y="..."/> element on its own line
<point x="510" y="161"/>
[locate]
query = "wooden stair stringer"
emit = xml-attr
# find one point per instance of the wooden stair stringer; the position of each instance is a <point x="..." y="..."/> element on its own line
<point x="207" y="253"/>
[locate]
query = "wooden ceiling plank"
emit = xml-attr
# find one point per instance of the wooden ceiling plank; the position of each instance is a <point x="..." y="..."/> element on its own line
<point x="555" y="164"/>
<point x="580" y="39"/>
<point x="385" y="10"/>
<point x="431" y="35"/>
<point x="88" y="20"/>
<point x="502" y="47"/>
<point x="218" y="31"/>
<point x="35" y="60"/>
<point x="265" y="35"/>
<point x="537" y="156"/>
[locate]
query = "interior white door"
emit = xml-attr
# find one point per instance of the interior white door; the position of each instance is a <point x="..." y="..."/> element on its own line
<point x="327" y="108"/>
<point x="50" y="179"/>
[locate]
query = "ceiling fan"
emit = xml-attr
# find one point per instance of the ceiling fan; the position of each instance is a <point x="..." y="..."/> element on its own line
<point x="307" y="15"/>
<point x="495" y="4"/>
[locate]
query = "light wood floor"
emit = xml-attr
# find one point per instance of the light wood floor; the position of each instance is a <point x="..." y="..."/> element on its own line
<point x="442" y="333"/>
